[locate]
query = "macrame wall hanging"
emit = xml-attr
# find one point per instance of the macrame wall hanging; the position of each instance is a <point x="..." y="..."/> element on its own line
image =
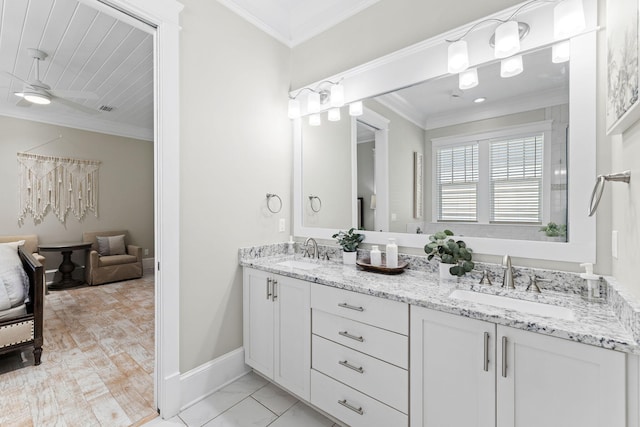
<point x="56" y="184"/>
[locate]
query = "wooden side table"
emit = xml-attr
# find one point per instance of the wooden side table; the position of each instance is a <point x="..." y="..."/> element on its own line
<point x="66" y="266"/>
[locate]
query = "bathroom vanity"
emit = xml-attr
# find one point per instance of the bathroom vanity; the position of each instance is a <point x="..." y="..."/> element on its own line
<point x="377" y="350"/>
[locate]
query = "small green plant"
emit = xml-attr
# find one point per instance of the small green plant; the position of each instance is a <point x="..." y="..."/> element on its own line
<point x="349" y="240"/>
<point x="449" y="251"/>
<point x="554" y="230"/>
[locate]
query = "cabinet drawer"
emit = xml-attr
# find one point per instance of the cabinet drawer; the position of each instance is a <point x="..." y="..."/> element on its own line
<point x="380" y="380"/>
<point x="386" y="314"/>
<point x="379" y="343"/>
<point x="362" y="411"/>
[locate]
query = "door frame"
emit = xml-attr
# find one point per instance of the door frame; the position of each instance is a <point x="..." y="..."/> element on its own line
<point x="164" y="16"/>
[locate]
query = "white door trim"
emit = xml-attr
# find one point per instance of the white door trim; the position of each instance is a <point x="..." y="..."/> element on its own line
<point x="164" y="15"/>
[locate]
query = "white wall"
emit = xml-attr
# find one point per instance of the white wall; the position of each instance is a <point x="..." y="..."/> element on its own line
<point x="383" y="28"/>
<point x="125" y="186"/>
<point x="236" y="146"/>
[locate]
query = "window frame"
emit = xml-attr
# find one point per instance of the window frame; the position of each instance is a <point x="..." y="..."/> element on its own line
<point x="483" y="196"/>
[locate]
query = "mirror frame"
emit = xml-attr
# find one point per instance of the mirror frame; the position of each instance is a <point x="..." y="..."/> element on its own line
<point x="427" y="60"/>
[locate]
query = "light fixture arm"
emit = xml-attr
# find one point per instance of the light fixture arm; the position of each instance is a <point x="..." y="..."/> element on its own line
<point x="501" y="21"/>
<point x="324" y="93"/>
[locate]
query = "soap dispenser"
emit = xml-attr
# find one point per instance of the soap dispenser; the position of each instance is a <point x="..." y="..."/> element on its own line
<point x="593" y="281"/>
<point x="376" y="256"/>
<point x="392" y="253"/>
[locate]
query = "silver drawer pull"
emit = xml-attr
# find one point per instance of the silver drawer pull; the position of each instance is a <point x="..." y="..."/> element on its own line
<point x="353" y="408"/>
<point x="350" y="307"/>
<point x="353" y="337"/>
<point x="346" y="364"/>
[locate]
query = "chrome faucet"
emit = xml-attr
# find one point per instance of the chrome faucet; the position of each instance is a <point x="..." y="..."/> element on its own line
<point x="315" y="248"/>
<point x="507" y="279"/>
<point x="533" y="283"/>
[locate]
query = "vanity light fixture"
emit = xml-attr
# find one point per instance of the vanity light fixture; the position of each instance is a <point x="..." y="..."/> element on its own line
<point x="325" y="94"/>
<point x="507" y="39"/>
<point x="313" y="102"/>
<point x="336" y="98"/>
<point x="294" y="108"/>
<point x="334" y="115"/>
<point x="568" y="19"/>
<point x="458" y="57"/>
<point x="510" y="67"/>
<point x="355" y="109"/>
<point x="468" y="79"/>
<point x="315" y="120"/>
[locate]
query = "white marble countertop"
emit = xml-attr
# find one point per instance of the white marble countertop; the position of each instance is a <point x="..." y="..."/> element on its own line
<point x="595" y="323"/>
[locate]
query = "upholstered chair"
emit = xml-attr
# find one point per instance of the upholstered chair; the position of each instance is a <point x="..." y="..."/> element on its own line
<point x="112" y="258"/>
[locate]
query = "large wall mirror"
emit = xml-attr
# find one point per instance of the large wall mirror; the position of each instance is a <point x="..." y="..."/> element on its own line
<point x="494" y="163"/>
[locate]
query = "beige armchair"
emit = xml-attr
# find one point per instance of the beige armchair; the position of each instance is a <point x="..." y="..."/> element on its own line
<point x="111" y="268"/>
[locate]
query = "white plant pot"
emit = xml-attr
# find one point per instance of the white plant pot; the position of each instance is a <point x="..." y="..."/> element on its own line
<point x="444" y="273"/>
<point x="349" y="257"/>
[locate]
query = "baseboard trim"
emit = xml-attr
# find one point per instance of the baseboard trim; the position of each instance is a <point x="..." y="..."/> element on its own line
<point x="209" y="377"/>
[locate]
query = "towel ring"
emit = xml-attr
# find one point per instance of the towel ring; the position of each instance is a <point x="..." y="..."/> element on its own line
<point x="311" y="199"/>
<point x="598" y="189"/>
<point x="273" y="196"/>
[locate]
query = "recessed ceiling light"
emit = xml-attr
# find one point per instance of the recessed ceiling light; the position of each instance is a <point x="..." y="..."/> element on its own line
<point x="479" y="100"/>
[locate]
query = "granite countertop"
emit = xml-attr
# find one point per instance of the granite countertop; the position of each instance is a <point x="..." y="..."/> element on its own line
<point x="595" y="323"/>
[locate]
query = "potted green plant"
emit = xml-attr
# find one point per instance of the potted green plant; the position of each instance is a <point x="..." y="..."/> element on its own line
<point x="349" y="240"/>
<point x="554" y="230"/>
<point x="455" y="256"/>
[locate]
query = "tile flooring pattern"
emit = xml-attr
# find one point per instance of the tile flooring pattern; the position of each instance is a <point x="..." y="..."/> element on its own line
<point x="97" y="360"/>
<point x="250" y="401"/>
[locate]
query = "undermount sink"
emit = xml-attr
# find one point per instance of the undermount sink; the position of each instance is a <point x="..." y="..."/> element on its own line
<point x="302" y="265"/>
<point x="530" y="307"/>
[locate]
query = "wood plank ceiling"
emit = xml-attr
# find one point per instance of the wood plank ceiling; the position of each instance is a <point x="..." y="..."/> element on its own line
<point x="88" y="50"/>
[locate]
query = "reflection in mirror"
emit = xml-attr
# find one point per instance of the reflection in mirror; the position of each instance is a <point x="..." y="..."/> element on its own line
<point x="496" y="168"/>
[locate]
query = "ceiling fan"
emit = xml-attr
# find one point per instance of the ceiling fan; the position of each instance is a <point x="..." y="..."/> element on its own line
<point x="37" y="92"/>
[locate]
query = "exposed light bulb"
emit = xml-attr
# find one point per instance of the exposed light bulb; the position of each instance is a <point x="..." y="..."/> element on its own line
<point x="458" y="57"/>
<point x="561" y="52"/>
<point x="313" y="103"/>
<point x="294" y="109"/>
<point x="315" y="120"/>
<point x="507" y="39"/>
<point x="512" y="66"/>
<point x="334" y="115"/>
<point x="568" y="19"/>
<point x="337" y="95"/>
<point x="355" y="109"/>
<point x="468" y="79"/>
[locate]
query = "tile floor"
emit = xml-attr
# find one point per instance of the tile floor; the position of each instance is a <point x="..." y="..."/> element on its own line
<point x="97" y="360"/>
<point x="250" y="401"/>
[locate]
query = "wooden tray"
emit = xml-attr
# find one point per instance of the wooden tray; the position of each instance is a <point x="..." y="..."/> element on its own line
<point x="365" y="264"/>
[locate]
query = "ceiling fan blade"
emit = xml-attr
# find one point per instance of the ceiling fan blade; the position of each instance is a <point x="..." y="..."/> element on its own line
<point x="74" y="105"/>
<point x="23" y="103"/>
<point x="73" y="94"/>
<point x="12" y="76"/>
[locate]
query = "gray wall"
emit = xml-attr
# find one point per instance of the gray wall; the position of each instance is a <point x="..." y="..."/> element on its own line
<point x="125" y="187"/>
<point x="235" y="146"/>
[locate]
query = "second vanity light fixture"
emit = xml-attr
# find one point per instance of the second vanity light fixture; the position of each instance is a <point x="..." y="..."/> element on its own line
<point x="325" y="94"/>
<point x="568" y="20"/>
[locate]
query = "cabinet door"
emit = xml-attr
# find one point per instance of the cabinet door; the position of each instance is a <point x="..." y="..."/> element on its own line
<point x="551" y="382"/>
<point x="258" y="325"/>
<point x="452" y="370"/>
<point x="292" y="334"/>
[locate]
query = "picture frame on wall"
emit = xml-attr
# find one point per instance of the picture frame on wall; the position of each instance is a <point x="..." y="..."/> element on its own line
<point x="622" y="65"/>
<point x="418" y="171"/>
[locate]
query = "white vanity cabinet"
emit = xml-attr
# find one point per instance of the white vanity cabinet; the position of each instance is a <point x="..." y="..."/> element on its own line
<point x="466" y="372"/>
<point x="277" y="328"/>
<point x="360" y="357"/>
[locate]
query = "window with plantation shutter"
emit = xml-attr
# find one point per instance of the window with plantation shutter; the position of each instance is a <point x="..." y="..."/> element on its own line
<point x="516" y="179"/>
<point x="457" y="182"/>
